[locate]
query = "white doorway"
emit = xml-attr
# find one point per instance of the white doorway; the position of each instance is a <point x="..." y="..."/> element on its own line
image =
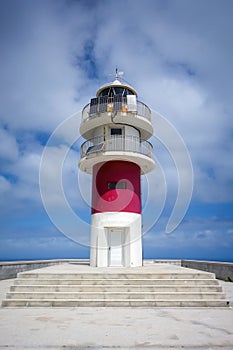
<point x="116" y="240"/>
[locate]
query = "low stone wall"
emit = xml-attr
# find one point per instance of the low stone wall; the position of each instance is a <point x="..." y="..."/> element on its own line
<point x="10" y="269"/>
<point x="222" y="270"/>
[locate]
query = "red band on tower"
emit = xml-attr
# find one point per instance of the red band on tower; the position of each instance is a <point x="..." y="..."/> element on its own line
<point x="116" y="187"/>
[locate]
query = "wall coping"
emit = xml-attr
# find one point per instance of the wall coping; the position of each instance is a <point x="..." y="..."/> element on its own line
<point x="210" y="262"/>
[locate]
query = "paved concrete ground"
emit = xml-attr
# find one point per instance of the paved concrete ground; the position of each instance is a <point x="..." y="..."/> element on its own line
<point x="82" y="328"/>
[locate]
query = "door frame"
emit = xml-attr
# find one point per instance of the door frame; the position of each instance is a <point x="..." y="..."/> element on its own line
<point x="123" y="238"/>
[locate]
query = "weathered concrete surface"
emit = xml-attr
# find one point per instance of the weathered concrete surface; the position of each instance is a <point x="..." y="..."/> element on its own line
<point x="222" y="270"/>
<point x="228" y="290"/>
<point x="121" y="327"/>
<point x="85" y="328"/>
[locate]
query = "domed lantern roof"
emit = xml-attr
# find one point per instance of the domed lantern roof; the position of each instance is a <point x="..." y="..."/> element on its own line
<point x="116" y="88"/>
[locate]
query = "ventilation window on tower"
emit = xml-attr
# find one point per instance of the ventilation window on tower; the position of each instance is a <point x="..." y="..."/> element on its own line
<point x="121" y="185"/>
<point x="115" y="131"/>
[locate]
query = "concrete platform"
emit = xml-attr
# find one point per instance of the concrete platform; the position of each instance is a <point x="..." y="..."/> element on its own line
<point x="96" y="328"/>
<point x="72" y="285"/>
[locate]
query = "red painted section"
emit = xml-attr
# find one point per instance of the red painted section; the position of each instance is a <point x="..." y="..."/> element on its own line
<point x="116" y="200"/>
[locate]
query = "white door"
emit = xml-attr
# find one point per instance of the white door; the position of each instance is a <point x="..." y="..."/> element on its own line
<point x="116" y="241"/>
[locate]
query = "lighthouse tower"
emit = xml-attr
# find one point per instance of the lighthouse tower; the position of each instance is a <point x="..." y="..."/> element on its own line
<point x="116" y="152"/>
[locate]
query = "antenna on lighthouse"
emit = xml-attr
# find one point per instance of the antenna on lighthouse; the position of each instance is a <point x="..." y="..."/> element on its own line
<point x="118" y="74"/>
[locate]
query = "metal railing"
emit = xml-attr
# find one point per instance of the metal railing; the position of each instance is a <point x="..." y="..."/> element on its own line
<point x="116" y="143"/>
<point x="110" y="104"/>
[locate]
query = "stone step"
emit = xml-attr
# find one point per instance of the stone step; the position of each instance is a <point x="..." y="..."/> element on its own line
<point x="69" y="286"/>
<point x="110" y="281"/>
<point x="116" y="288"/>
<point x="116" y="295"/>
<point x="115" y="303"/>
<point x="116" y="276"/>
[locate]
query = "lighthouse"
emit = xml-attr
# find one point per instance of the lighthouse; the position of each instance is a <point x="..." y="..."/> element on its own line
<point x="116" y="127"/>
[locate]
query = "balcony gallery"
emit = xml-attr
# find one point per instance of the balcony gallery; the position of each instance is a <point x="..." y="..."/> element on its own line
<point x="116" y="143"/>
<point x="118" y="104"/>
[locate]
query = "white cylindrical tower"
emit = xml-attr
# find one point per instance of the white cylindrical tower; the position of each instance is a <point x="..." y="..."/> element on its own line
<point x="116" y="152"/>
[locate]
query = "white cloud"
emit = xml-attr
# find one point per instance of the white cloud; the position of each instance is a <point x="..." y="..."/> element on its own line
<point x="8" y="146"/>
<point x="4" y="185"/>
<point x="38" y="71"/>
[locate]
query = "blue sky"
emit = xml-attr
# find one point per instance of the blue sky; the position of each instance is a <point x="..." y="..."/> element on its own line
<point x="55" y="54"/>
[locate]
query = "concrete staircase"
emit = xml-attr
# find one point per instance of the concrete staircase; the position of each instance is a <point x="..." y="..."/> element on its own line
<point x="120" y="288"/>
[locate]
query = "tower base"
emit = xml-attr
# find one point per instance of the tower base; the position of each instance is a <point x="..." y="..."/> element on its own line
<point x="116" y="239"/>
